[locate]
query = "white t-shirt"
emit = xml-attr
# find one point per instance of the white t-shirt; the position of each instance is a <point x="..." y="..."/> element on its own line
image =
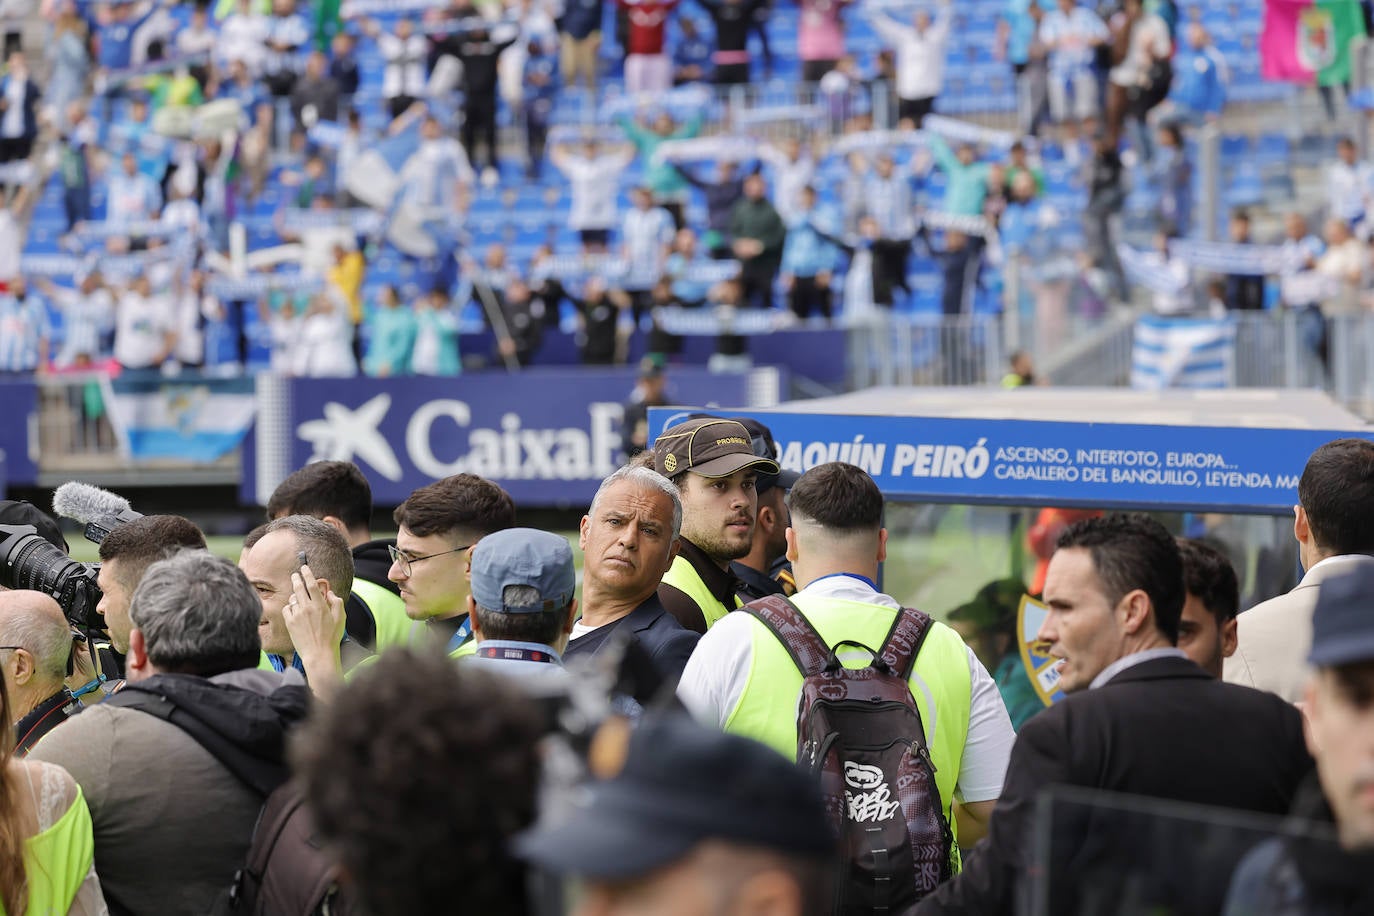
<point x="285" y="334"/>
<point x="718" y="672"/>
<point x="1348" y="189"/>
<point x="141" y="326"/>
<point x="85" y="318"/>
<point x="578" y="631"/>
<point x="241" y="38"/>
<point x="325" y="346"/>
<point x="12" y="124"/>
<point x="594" y="183"/>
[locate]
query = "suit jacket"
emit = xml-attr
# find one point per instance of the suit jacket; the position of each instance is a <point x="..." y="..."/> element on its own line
<point x="656" y="633"/>
<point x="1164" y="729"/>
<point x="1275" y="635"/>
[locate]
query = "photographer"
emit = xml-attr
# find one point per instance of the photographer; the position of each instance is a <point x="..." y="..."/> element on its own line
<point x="125" y="555"/>
<point x="172" y="819"/>
<point x="35" y="649"/>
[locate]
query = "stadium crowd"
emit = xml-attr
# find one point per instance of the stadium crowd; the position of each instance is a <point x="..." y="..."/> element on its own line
<point x="330" y="190"/>
<point x="448" y="691"/>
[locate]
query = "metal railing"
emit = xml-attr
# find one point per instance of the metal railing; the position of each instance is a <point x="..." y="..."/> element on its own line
<point x="926" y="350"/>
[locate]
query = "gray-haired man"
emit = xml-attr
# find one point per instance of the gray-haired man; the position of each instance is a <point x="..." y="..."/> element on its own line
<point x="35" y="649"/>
<point x="175" y="766"/>
<point x="629" y="538"/>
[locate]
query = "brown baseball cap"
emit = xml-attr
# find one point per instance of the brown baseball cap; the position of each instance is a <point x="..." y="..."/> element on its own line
<point x="708" y="446"/>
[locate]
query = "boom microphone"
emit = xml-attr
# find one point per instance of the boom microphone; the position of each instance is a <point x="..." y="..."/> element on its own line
<point x="99" y="510"/>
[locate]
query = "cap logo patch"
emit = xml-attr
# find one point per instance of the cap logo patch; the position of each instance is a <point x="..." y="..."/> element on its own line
<point x="733" y="440"/>
<point x="670" y="463"/>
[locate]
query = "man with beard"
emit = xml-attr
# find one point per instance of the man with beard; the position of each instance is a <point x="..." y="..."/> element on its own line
<point x="712" y="461"/>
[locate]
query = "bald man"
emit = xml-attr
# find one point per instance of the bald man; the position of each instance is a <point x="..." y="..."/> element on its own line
<point x="35" y="644"/>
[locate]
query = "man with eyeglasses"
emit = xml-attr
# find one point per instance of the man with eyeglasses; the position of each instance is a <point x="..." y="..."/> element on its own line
<point x="35" y="649"/>
<point x="437" y="525"/>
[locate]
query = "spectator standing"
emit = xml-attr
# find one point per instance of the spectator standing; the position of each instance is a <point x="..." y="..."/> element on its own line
<point x="437" y="170"/>
<point x="891" y="205"/>
<point x="792" y="167"/>
<point x="195" y="39"/>
<point x="1141" y="80"/>
<point x="966" y="177"/>
<point x="324" y="344"/>
<point x="343" y="66"/>
<point x="436" y="337"/>
<point x="820" y="37"/>
<point x="145" y="326"/>
<point x="117" y="26"/>
<point x="808" y="260"/>
<point x="403" y="77"/>
<point x="721" y="196"/>
<point x="76" y="144"/>
<point x="242" y="38"/>
<point x="1201" y="76"/>
<point x="1349" y="184"/>
<point x="1334" y="529"/>
<point x="713" y="465"/>
<point x="391" y="336"/>
<point x="1115" y="593"/>
<point x="1071" y="34"/>
<point x="46" y="828"/>
<point x="540" y="81"/>
<point x="288" y="34"/>
<point x="1343" y="264"/>
<point x="479" y="50"/>
<point x="315" y="96"/>
<point x="580" y="31"/>
<point x="1173" y="177"/>
<point x="18" y="110"/>
<point x="87" y="316"/>
<point x="69" y="58"/>
<point x="152" y="785"/>
<point x="131" y="196"/>
<point x="24" y="333"/>
<point x="647" y="67"/>
<point x="920" y="51"/>
<point x="592" y="178"/>
<point x="663" y="180"/>
<point x="756" y="237"/>
<point x="1019" y="42"/>
<point x="645" y="236"/>
<point x="691" y="54"/>
<point x="1244" y="292"/>
<point x="599" y="311"/>
<point x="734" y="19"/>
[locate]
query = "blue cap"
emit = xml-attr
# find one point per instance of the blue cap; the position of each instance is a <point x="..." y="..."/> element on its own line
<point x="1343" y="621"/>
<point x="523" y="556"/>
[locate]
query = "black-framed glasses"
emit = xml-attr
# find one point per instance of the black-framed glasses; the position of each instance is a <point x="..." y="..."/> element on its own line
<point x="406" y="562"/>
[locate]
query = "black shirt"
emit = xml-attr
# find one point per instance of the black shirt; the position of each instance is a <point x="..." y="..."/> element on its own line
<point x="754" y="584"/>
<point x="46" y="716"/>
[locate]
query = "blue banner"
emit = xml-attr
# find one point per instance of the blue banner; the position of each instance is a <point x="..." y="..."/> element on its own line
<point x="192" y="418"/>
<point x="547" y="436"/>
<point x="1028" y="463"/>
<point x="19" y="407"/>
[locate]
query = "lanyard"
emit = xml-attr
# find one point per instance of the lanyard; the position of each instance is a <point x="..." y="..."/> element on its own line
<point x="279" y="663"/>
<point x="461" y="636"/>
<point x="516" y="653"/>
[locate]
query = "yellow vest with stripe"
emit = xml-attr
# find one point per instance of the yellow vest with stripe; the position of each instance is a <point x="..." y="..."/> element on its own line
<point x="388" y="613"/>
<point x="940" y="682"/>
<point x="682" y="575"/>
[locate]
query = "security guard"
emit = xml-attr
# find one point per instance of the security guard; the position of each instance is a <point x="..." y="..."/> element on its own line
<point x="712" y="461"/>
<point x="742" y="678"/>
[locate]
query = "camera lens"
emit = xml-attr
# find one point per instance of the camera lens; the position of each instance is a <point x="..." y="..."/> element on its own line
<point x="27" y="561"/>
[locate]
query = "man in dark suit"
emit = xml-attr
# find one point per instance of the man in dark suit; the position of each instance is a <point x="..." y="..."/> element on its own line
<point x="629" y="538"/>
<point x="1141" y="718"/>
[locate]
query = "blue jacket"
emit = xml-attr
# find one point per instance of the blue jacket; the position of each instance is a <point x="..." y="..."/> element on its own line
<point x="656" y="634"/>
<point x="1199" y="85"/>
<point x="807" y="252"/>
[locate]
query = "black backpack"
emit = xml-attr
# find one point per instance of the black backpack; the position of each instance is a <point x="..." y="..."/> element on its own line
<point x="286" y="873"/>
<point x="860" y="732"/>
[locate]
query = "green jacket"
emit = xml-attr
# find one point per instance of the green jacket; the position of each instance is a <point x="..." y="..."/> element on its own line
<point x="661" y="178"/>
<point x="756" y="219"/>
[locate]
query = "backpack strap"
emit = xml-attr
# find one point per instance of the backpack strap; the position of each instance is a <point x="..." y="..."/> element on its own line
<point x="904" y="641"/>
<point x="791" y="628"/>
